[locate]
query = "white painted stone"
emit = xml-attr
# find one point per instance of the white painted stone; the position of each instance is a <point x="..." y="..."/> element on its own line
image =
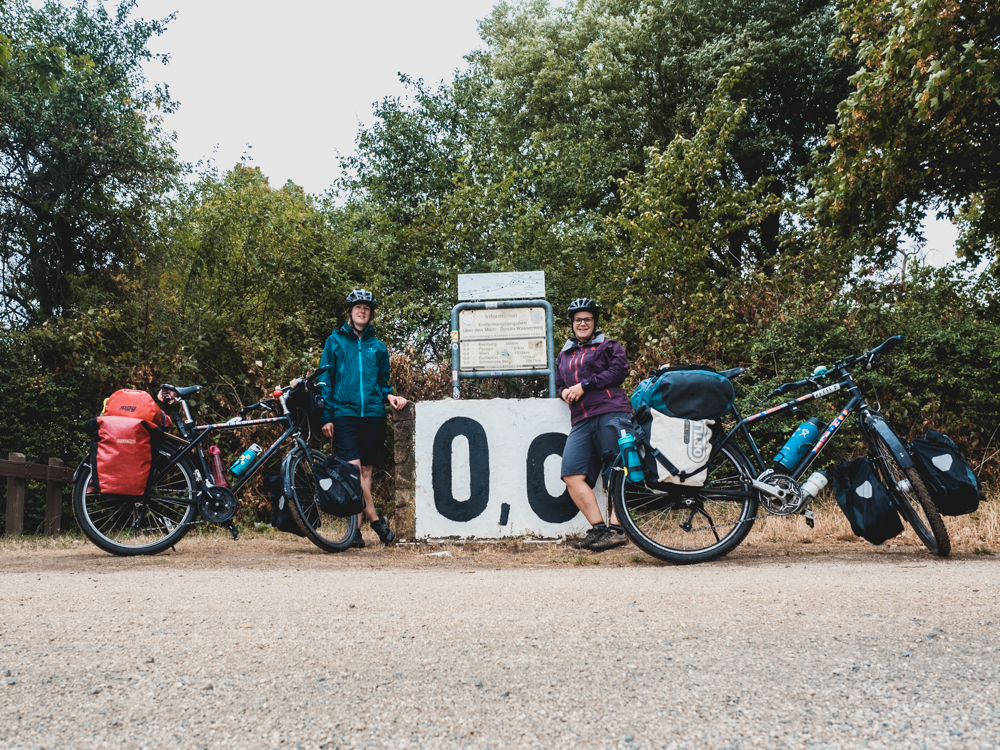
<point x="510" y="427"/>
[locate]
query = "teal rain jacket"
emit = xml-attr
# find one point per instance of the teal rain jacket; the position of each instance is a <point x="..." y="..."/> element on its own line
<point x="358" y="381"/>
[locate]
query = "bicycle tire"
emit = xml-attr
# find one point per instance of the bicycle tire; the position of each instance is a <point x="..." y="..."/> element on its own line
<point x="128" y="526"/>
<point x="328" y="532"/>
<point x="654" y="519"/>
<point x="911" y="498"/>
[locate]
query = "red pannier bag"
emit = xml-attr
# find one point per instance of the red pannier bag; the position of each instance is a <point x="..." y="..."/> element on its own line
<point x="135" y="404"/>
<point x="122" y="453"/>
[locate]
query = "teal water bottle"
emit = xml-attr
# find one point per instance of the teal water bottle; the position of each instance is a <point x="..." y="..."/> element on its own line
<point x="799" y="443"/>
<point x="246" y="460"/>
<point x="633" y="464"/>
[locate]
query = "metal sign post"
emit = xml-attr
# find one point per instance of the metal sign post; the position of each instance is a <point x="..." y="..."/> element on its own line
<point x="502" y="339"/>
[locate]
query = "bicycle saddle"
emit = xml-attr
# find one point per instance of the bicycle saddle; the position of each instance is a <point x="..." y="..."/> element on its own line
<point x="182" y="392"/>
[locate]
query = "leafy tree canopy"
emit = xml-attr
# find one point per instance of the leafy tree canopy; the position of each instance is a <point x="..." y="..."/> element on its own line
<point x="591" y="85"/>
<point x="82" y="163"/>
<point x="919" y="129"/>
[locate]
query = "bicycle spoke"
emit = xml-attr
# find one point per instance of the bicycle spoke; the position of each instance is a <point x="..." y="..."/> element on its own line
<point x="137" y="525"/>
<point x="689" y="524"/>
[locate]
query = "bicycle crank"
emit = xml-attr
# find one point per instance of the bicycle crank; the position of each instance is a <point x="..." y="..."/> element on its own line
<point x="779" y="494"/>
<point x="217" y="504"/>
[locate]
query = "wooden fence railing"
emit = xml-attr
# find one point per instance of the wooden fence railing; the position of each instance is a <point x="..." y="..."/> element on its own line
<point x="18" y="472"/>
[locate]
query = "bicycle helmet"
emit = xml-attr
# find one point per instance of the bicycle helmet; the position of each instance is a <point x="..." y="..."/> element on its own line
<point x="362" y="297"/>
<point x="580" y="305"/>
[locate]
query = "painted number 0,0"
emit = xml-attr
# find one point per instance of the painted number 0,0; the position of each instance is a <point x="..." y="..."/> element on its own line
<point x="549" y="508"/>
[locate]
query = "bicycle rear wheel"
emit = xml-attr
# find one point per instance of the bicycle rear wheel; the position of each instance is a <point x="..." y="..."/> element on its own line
<point x="125" y="525"/>
<point x="911" y="497"/>
<point x="689" y="525"/>
<point x="329" y="533"/>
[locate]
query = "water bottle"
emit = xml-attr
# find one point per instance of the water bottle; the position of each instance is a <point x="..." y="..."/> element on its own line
<point x="218" y="471"/>
<point x="633" y="464"/>
<point x="814" y="484"/>
<point x="802" y="440"/>
<point x="246" y="460"/>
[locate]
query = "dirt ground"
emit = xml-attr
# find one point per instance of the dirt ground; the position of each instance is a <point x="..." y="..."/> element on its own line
<point x="269" y="643"/>
<point x="268" y="550"/>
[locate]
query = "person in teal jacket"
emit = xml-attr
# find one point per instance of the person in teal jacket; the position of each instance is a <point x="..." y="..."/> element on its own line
<point x="355" y="392"/>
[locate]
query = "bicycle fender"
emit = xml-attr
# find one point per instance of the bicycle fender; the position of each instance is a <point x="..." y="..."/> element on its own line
<point x="79" y="469"/>
<point x="895" y="444"/>
<point x="286" y="466"/>
<point x="286" y="475"/>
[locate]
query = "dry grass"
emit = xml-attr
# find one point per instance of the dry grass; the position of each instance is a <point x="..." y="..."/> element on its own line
<point x="979" y="530"/>
<point x="977" y="534"/>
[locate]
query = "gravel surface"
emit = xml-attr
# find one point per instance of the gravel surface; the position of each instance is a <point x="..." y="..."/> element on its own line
<point x="831" y="652"/>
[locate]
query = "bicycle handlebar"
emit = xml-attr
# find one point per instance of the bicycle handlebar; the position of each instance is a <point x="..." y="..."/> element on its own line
<point x="822" y="372"/>
<point x="319" y="371"/>
<point x="885" y="346"/>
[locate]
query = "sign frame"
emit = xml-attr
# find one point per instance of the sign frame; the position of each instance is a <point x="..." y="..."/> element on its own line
<point x="457" y="374"/>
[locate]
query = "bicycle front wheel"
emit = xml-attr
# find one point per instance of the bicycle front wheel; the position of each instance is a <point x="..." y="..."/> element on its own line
<point x="329" y="533"/>
<point x="125" y="525"/>
<point x="911" y="497"/>
<point x="689" y="525"/>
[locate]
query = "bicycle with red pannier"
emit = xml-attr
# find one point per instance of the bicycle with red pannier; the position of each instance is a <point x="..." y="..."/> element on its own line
<point x="141" y="489"/>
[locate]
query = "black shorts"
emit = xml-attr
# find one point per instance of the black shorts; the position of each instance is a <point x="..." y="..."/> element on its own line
<point x="590" y="440"/>
<point x="359" y="438"/>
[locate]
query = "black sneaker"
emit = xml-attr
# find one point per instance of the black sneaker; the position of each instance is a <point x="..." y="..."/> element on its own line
<point x="608" y="540"/>
<point x="590" y="537"/>
<point x="358" y="540"/>
<point x="381" y="527"/>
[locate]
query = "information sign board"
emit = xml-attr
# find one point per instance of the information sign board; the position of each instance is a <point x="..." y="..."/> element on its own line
<point x="512" y="285"/>
<point x="503" y="339"/>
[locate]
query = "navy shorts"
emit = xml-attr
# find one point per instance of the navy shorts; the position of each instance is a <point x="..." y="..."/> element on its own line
<point x="359" y="438"/>
<point x="590" y="440"/>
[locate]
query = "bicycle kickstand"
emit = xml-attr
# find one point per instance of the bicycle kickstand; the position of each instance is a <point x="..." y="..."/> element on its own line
<point x="232" y="530"/>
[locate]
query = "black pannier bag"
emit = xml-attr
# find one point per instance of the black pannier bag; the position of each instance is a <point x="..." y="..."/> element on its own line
<point x="306" y="406"/>
<point x="865" y="501"/>
<point x="953" y="485"/>
<point x="281" y="514"/>
<point x="338" y="486"/>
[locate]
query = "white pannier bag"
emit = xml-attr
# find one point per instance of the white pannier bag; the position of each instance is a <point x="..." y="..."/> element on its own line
<point x="682" y="448"/>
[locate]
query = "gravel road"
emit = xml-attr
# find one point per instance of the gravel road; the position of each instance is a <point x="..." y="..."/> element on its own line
<point x="834" y="652"/>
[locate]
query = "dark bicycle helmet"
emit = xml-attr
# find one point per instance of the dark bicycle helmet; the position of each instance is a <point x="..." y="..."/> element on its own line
<point x="362" y="297"/>
<point x="580" y="305"/>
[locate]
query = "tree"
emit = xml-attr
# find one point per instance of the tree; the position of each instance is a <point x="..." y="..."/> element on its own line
<point x="249" y="274"/>
<point x="84" y="163"/>
<point x="590" y="86"/>
<point x="919" y="130"/>
<point x="687" y="219"/>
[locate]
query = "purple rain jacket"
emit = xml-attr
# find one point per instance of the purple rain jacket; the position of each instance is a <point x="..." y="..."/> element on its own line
<point x="600" y="366"/>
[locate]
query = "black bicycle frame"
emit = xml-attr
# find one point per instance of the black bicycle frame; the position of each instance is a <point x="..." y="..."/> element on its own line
<point x="205" y="430"/>
<point x="855" y="402"/>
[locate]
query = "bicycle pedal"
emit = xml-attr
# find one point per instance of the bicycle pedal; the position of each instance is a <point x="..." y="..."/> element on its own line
<point x="810" y="518"/>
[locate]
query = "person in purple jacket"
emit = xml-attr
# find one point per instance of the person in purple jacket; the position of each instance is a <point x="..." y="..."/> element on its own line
<point x="589" y="372"/>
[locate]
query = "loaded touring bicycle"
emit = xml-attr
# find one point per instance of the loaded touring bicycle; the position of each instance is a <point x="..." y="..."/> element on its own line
<point x="712" y="512"/>
<point x="181" y="485"/>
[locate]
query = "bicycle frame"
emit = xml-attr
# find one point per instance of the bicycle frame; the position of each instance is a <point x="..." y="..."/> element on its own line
<point x="194" y="446"/>
<point x="855" y="402"/>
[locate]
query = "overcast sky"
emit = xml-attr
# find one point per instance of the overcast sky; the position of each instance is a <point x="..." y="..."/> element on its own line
<point x="289" y="84"/>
